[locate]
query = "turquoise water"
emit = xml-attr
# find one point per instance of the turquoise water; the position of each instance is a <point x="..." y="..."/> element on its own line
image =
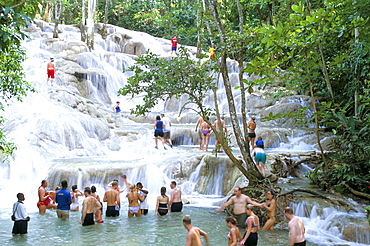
<point x="147" y="230"/>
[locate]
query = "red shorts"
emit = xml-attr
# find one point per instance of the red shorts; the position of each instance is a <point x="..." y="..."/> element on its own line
<point x="51" y="73"/>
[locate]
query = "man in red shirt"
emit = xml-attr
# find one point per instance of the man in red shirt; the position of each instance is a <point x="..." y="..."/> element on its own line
<point x="174" y="44"/>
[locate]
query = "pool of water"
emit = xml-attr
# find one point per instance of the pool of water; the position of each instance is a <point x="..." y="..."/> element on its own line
<point x="47" y="229"/>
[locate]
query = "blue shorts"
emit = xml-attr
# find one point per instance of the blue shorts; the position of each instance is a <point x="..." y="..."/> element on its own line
<point x="260" y="157"/>
<point x="174" y="48"/>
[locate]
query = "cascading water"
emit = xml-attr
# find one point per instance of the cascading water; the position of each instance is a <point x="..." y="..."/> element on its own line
<point x="69" y="131"/>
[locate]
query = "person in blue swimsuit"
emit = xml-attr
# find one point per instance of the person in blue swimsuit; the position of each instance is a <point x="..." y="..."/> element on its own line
<point x="250" y="237"/>
<point x="260" y="157"/>
<point x="116" y="107"/>
<point x="158" y="132"/>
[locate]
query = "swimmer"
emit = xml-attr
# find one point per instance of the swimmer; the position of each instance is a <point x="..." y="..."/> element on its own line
<point x="133" y="202"/>
<point x="250" y="237"/>
<point x="111" y="197"/>
<point x="260" y="158"/>
<point x="206" y="134"/>
<point x="251" y="131"/>
<point x="296" y="229"/>
<point x="199" y="124"/>
<point x="44" y="198"/>
<point x="270" y="205"/>
<point x="193" y="237"/>
<point x="88" y="206"/>
<point x="162" y="203"/>
<point x="98" y="211"/>
<point x="175" y="201"/>
<point x="75" y="206"/>
<point x="234" y="235"/>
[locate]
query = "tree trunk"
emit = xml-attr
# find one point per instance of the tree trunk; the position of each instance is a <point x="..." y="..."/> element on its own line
<point x="58" y="12"/>
<point x="90" y="24"/>
<point x="83" y="22"/>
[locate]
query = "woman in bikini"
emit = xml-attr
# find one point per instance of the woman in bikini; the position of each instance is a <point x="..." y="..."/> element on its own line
<point x="75" y="206"/>
<point x="250" y="237"/>
<point x="206" y="134"/>
<point x="270" y="205"/>
<point x="98" y="212"/>
<point x="234" y="235"/>
<point x="133" y="202"/>
<point x="162" y="203"/>
<point x="251" y="131"/>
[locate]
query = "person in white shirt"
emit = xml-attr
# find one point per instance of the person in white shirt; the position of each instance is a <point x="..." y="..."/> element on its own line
<point x="144" y="206"/>
<point x="167" y="129"/>
<point x="21" y="216"/>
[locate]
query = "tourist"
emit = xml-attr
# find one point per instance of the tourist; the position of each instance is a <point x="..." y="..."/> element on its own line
<point x="127" y="183"/>
<point x="240" y="201"/>
<point x="199" y="124"/>
<point x="259" y="143"/>
<point x="44" y="198"/>
<point x="158" y="132"/>
<point x="98" y="211"/>
<point x="89" y="204"/>
<point x="224" y="129"/>
<point x="174" y="43"/>
<point x="133" y="202"/>
<point x="53" y="195"/>
<point x="116" y="107"/>
<point x="75" y="206"/>
<point x="206" y="134"/>
<point x="260" y="159"/>
<point x="111" y="197"/>
<point x="64" y="200"/>
<point x="270" y="206"/>
<point x="167" y="129"/>
<point x="250" y="237"/>
<point x="211" y="52"/>
<point x="251" y="131"/>
<point x="50" y="71"/>
<point x="234" y="235"/>
<point x="143" y="192"/>
<point x="162" y="203"/>
<point x="21" y="217"/>
<point x="175" y="201"/>
<point x="193" y="237"/>
<point x="296" y="228"/>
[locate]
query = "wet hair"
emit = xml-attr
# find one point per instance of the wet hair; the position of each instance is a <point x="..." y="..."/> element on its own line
<point x="93" y="189"/>
<point x="57" y="188"/>
<point x="114" y="183"/>
<point x="88" y="191"/>
<point x="20" y="195"/>
<point x="124" y="176"/>
<point x="288" y="210"/>
<point x="174" y="183"/>
<point x="132" y="186"/>
<point x="74" y="187"/>
<point x="259" y="138"/>
<point x="249" y="206"/>
<point x="272" y="192"/>
<point x="64" y="184"/>
<point x="158" y="117"/>
<point x="43" y="181"/>
<point x="163" y="191"/>
<point x="253" y="118"/>
<point x="115" y="180"/>
<point x="232" y="220"/>
<point x="186" y="219"/>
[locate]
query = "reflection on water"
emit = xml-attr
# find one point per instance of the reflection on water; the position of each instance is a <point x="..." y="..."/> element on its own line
<point x="146" y="230"/>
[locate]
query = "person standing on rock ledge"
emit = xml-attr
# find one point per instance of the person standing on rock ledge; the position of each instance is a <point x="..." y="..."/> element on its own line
<point x="167" y="130"/>
<point x="116" y="107"/>
<point x="174" y="43"/>
<point x="50" y="71"/>
<point x="240" y="202"/>
<point x="251" y="131"/>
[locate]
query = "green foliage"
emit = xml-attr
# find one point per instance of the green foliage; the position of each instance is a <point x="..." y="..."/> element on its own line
<point x="158" y="79"/>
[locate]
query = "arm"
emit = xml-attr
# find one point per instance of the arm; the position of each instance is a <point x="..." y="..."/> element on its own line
<point x="105" y="199"/>
<point x="189" y="239"/>
<point x="70" y="199"/>
<point x="156" y="207"/>
<point x="249" y="228"/>
<point x="196" y="127"/>
<point x="84" y="211"/>
<point x="141" y="198"/>
<point x="226" y="204"/>
<point x="118" y="200"/>
<point x="145" y="191"/>
<point x="155" y="124"/>
<point x="97" y="204"/>
<point x="42" y="196"/>
<point x="205" y="235"/>
<point x="249" y="200"/>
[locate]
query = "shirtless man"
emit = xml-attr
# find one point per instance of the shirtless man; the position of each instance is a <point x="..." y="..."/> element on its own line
<point x="175" y="201"/>
<point x="199" y="124"/>
<point x="296" y="229"/>
<point x="51" y="71"/>
<point x="193" y="237"/>
<point x="113" y="201"/>
<point x="89" y="204"/>
<point x="216" y="125"/>
<point x="270" y="206"/>
<point x="45" y="198"/>
<point x="240" y="202"/>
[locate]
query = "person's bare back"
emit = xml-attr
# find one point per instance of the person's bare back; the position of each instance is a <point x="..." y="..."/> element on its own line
<point x="176" y="195"/>
<point x="89" y="203"/>
<point x="112" y="197"/>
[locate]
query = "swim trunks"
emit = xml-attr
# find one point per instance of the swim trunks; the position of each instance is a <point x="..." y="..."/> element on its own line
<point x="51" y="73"/>
<point x="144" y="211"/>
<point x="205" y="132"/>
<point x="176" y="207"/>
<point x="89" y="219"/>
<point x="174" y="48"/>
<point x="301" y="243"/>
<point x="45" y="202"/>
<point x="260" y="157"/>
<point x="111" y="211"/>
<point x="241" y="218"/>
<point x="133" y="210"/>
<point x="252" y="240"/>
<point x="251" y="135"/>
